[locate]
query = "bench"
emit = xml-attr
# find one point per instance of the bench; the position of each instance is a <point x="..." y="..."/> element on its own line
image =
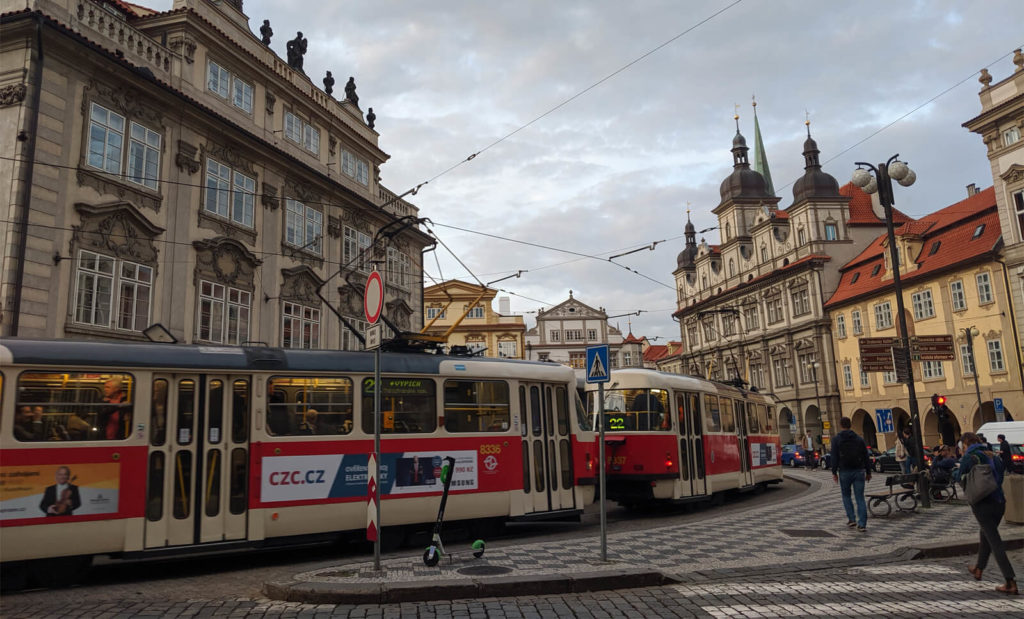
<point x="880" y="504"/>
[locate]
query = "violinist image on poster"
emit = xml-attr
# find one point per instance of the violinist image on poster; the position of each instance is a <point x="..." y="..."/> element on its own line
<point x="62" y="498"/>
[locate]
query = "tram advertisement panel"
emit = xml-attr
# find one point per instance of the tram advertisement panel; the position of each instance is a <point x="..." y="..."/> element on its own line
<point x="42" y="490"/>
<point x="331" y="476"/>
<point x="763" y="454"/>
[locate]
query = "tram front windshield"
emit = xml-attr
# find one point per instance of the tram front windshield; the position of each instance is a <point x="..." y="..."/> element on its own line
<point x="632" y="410"/>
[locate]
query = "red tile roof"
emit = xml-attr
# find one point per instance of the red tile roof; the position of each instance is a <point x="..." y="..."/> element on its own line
<point x="949" y="231"/>
<point x="632" y="339"/>
<point x="781" y="215"/>
<point x="860" y="208"/>
<point x="655" y="352"/>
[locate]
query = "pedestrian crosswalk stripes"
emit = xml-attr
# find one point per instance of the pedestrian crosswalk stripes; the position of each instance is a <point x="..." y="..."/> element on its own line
<point x="910" y="609"/>
<point x="829" y="587"/>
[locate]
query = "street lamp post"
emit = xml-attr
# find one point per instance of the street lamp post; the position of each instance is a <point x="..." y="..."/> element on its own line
<point x="882" y="183"/>
<point x="970" y="333"/>
<point x="817" y="401"/>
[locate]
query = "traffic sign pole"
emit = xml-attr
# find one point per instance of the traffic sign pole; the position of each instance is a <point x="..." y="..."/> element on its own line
<point x="373" y="303"/>
<point x="601" y="480"/>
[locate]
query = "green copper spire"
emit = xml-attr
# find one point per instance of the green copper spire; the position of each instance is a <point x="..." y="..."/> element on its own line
<point x="760" y="158"/>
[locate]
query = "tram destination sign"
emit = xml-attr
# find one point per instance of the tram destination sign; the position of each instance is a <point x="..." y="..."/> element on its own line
<point x="876" y="353"/>
<point x="932" y="348"/>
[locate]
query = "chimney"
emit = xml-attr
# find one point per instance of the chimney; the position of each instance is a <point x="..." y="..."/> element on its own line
<point x="504" y="306"/>
<point x="972" y="189"/>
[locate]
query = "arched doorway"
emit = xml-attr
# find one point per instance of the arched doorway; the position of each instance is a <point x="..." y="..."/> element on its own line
<point x="787" y="426"/>
<point x="864" y="425"/>
<point x="936" y="434"/>
<point x="987" y="414"/>
<point x="812" y="423"/>
<point x="900" y="420"/>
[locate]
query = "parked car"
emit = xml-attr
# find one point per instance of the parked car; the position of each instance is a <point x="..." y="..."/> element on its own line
<point x="886" y="460"/>
<point x="795" y="455"/>
<point x="826" y="459"/>
<point x="1014" y="432"/>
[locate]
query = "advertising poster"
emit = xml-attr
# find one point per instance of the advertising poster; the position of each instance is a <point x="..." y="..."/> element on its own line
<point x="45" y="490"/>
<point x="305" y="478"/>
<point x="763" y="454"/>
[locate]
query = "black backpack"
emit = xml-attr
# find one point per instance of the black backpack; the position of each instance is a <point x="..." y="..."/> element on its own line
<point x="851" y="453"/>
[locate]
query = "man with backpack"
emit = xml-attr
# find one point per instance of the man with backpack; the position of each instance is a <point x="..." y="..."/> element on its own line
<point x="851" y="469"/>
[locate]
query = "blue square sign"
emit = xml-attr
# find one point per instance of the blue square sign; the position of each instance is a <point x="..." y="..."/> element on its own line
<point x="597" y="364"/>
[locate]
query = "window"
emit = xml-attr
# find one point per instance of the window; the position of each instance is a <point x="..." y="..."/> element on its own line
<point x="478" y="312"/>
<point x="220" y="82"/>
<point x="864" y="380"/>
<point x="978" y="231"/>
<point x="780" y="366"/>
<point x="956" y="293"/>
<point x="966" y="360"/>
<point x="932" y="369"/>
<point x="935" y="248"/>
<point x="476" y="406"/>
<point x="106" y="147"/>
<point x="875" y="270"/>
<point x="883" y="316"/>
<point x="355" y="167"/>
<point x="591" y="335"/>
<point x="627" y="359"/>
<point x="858" y="327"/>
<point x="301" y="132"/>
<point x="831" y="232"/>
<point x="435" y="312"/>
<point x="984" y="288"/>
<point x="303" y="227"/>
<point x="578" y="360"/>
<point x="691" y="334"/>
<point x="300" y="405"/>
<point x="856" y="276"/>
<point x="223" y="314"/>
<point x="773" y="308"/>
<point x="72" y="406"/>
<point x="300" y="326"/>
<point x="1018" y="208"/>
<point x="764" y="253"/>
<point x="398" y="270"/>
<point x="555" y="335"/>
<point x="709" y="330"/>
<point x="808" y="371"/>
<point x="995" y="356"/>
<point x="840" y="326"/>
<point x="923" y="306"/>
<point x="847" y="376"/>
<point x="408" y="405"/>
<point x="801" y="237"/>
<point x="889" y="378"/>
<point x="98" y="278"/>
<point x="750" y="317"/>
<point x="229" y="194"/>
<point x="508" y="349"/>
<point x="349" y="341"/>
<point x="356" y="249"/>
<point x="757" y="377"/>
<point x="801" y="302"/>
<point x="574" y="335"/>
<point x="1011" y="136"/>
<point x="728" y="325"/>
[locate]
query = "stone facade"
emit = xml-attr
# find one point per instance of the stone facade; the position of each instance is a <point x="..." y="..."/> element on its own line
<point x="563" y="333"/>
<point x="172" y="169"/>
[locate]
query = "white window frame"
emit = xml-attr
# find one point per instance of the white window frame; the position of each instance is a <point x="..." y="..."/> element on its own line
<point x="831" y="232"/>
<point x="355" y="167"/>
<point x="841" y="326"/>
<point x="847" y="376"/>
<point x="773" y="310"/>
<point x="808" y="373"/>
<point x="301" y="132"/>
<point x="932" y="369"/>
<point x="957" y="295"/>
<point x="227" y="312"/>
<point x="229" y="194"/>
<point x="477" y="311"/>
<point x="984" y="281"/>
<point x="889" y="378"/>
<point x="883" y="315"/>
<point x="398" y="269"/>
<point x="103" y="292"/>
<point x="750" y="318"/>
<point x="435" y="312"/>
<point x="1018" y="209"/>
<point x="303" y="320"/>
<point x="858" y="326"/>
<point x="348" y="340"/>
<point x="1011" y="136"/>
<point x="218" y="79"/>
<point x="591" y="335"/>
<point x="780" y="370"/>
<point x="996" y="360"/>
<point x="966" y="360"/>
<point x="923" y="305"/>
<point x="555" y="335"/>
<point x="304" y="227"/>
<point x="355" y="246"/>
<point x="508" y="349"/>
<point x="865" y="380"/>
<point x="140" y="161"/>
<point x="801" y="300"/>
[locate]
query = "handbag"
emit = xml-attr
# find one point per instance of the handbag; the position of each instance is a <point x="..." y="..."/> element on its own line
<point x="980" y="482"/>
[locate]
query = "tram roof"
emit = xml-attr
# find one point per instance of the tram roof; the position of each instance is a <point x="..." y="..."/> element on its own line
<point x="76" y="353"/>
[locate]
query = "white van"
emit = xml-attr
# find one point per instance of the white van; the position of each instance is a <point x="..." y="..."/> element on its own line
<point x="1014" y="432"/>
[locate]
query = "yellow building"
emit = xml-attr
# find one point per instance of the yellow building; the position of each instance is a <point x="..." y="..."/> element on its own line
<point x="953" y="284"/>
<point x="498" y="334"/>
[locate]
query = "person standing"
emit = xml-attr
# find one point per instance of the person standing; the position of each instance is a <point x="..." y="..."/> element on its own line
<point x="904" y="447"/>
<point x="1005" y="453"/>
<point x="851" y="469"/>
<point x="809" y="451"/>
<point x="988" y="511"/>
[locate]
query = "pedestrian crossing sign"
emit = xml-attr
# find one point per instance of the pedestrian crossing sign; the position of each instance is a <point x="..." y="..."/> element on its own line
<point x="597" y="364"/>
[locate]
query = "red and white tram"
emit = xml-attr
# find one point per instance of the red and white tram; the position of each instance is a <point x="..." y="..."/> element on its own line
<point x="138" y="450"/>
<point x="670" y="437"/>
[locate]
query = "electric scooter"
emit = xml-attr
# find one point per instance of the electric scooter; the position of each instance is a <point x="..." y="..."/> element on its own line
<point x="432" y="555"/>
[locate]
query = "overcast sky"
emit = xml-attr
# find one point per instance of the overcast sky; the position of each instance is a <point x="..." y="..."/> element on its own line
<point x="614" y="169"/>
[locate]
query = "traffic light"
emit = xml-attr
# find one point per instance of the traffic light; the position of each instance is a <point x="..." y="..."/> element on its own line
<point x="938" y="400"/>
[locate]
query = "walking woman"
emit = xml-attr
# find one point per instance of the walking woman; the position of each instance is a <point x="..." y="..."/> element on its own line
<point x="988" y="512"/>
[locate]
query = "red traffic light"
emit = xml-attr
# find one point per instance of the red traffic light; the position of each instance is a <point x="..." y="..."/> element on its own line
<point x="938" y="400"/>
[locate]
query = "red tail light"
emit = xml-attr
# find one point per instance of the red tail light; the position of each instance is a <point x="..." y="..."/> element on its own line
<point x="590" y="462"/>
<point x="668" y="460"/>
<point x="1018" y="457"/>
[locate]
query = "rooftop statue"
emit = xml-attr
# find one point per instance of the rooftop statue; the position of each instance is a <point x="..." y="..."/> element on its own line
<point x="350" y="91"/>
<point x="266" y="31"/>
<point x="296" y="50"/>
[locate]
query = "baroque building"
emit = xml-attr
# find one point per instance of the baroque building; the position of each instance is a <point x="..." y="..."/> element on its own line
<point x="171" y="168"/>
<point x="751" y="307"/>
<point x="563" y="333"/>
<point x="465" y="313"/>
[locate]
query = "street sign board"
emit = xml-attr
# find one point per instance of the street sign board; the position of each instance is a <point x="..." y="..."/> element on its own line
<point x="997" y="403"/>
<point x="883" y="419"/>
<point x="901" y="363"/>
<point x="597" y="364"/>
<point x="932" y="348"/>
<point x="373" y="335"/>
<point x="373" y="299"/>
<point x="876" y="353"/>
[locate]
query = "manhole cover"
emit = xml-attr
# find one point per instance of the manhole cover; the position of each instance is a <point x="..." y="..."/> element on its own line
<point x="484" y="570"/>
<point x="807" y="533"/>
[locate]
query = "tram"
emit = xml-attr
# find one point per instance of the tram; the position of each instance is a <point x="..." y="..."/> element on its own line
<point x="675" y="438"/>
<point x="142" y="450"/>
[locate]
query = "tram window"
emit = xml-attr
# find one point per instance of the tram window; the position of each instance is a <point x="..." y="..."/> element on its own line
<point x="182" y="484"/>
<point x="684" y="460"/>
<point x="240" y="411"/>
<point x="714" y="416"/>
<point x="769" y="415"/>
<point x="681" y="412"/>
<point x="216" y="412"/>
<point x="549" y="414"/>
<point x="309" y="405"/>
<point x="561" y="411"/>
<point x="239" y="478"/>
<point x="476" y="406"/>
<point x="522" y="417"/>
<point x="538" y="465"/>
<point x="186" y="410"/>
<point x="552" y="465"/>
<point x="535" y="418"/>
<point x="407" y="405"/>
<point x="158" y="414"/>
<point x="155" y="487"/>
<point x="695" y="414"/>
<point x="728" y="420"/>
<point x="526" y="466"/>
<point x="211" y="498"/>
<point x="753" y="422"/>
<point x="74" y="406"/>
<point x="563" y="450"/>
<point x="585" y="421"/>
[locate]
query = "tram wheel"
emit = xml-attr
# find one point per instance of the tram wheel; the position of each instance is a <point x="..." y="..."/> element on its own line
<point x="432" y="556"/>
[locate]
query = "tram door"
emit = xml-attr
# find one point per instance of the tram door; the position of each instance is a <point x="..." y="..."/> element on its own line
<point x="198" y="460"/>
<point x="691" y="445"/>
<point x="743" y="432"/>
<point x="547" y="447"/>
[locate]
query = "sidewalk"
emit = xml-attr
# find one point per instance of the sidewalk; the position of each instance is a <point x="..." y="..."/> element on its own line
<point x="807" y="532"/>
